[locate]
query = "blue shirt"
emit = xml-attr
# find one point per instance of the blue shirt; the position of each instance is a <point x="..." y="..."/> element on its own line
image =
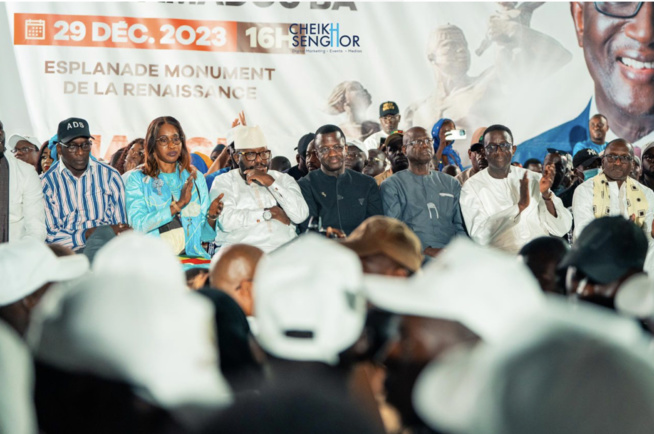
<point x="588" y="144"/>
<point x="428" y="204"/>
<point x="148" y="207"/>
<point x="73" y="205"/>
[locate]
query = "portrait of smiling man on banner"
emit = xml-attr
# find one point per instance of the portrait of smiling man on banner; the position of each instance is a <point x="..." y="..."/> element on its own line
<point x="618" y="43"/>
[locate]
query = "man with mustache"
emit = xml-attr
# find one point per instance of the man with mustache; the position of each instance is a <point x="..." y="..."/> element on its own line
<point x="426" y="200"/>
<point x="261" y="206"/>
<point x="613" y="192"/>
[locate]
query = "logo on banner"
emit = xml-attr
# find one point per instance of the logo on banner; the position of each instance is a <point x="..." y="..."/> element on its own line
<point x="323" y="37"/>
<point x="35" y="29"/>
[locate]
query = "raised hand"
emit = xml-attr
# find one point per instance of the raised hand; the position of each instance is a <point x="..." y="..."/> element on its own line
<point x="524" y="193"/>
<point x="547" y="179"/>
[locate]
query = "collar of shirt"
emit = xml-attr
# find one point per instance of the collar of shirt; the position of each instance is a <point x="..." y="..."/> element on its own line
<point x="62" y="167"/>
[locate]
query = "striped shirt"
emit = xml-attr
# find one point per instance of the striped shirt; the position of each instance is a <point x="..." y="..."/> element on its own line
<point x="96" y="198"/>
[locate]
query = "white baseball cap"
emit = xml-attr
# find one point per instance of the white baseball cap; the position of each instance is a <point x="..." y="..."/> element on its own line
<point x="248" y="137"/>
<point x="15" y="138"/>
<point x="128" y="328"/>
<point x="138" y="254"/>
<point x="308" y="300"/>
<point x="16" y="376"/>
<point x="484" y="289"/>
<point x="28" y="264"/>
<point x="358" y="144"/>
<point x="567" y="366"/>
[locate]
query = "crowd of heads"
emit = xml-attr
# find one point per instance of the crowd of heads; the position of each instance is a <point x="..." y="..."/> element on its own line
<point x="320" y="301"/>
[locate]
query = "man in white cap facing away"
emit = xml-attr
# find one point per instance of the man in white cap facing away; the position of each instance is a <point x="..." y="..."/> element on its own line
<point x="28" y="268"/>
<point x="129" y="329"/>
<point x="578" y="371"/>
<point x="447" y="306"/>
<point x="261" y="206"/>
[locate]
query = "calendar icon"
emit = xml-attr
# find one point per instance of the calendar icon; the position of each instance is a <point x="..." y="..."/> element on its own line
<point x="35" y="29"/>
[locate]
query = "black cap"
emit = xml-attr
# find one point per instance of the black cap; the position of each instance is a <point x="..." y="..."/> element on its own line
<point x="388" y="108"/>
<point x="607" y="248"/>
<point x="585" y="158"/>
<point x="303" y="144"/>
<point x="476" y="147"/>
<point x="72" y="128"/>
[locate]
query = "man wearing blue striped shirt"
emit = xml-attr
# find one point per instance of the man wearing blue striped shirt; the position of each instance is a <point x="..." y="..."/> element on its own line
<point x="81" y="194"/>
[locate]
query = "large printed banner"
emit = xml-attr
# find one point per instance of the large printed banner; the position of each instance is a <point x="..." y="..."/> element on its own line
<point x="293" y="66"/>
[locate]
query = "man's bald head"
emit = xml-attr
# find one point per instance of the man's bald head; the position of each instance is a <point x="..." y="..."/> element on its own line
<point x="234" y="272"/>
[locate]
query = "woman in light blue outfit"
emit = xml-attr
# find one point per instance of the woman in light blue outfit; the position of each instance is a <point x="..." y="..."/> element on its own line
<point x="165" y="199"/>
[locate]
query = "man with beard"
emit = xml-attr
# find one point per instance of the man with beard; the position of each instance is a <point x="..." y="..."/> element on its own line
<point x="376" y="163"/>
<point x="392" y="147"/>
<point x="647" y="177"/>
<point x="506" y="206"/>
<point x="613" y="192"/>
<point x="338" y="198"/>
<point x="426" y="200"/>
<point x="608" y="252"/>
<point x="389" y="118"/>
<point x="478" y="160"/>
<point x="356" y="157"/>
<point x="261" y="206"/>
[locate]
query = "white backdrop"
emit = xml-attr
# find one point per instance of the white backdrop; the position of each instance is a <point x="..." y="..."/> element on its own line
<point x="291" y="97"/>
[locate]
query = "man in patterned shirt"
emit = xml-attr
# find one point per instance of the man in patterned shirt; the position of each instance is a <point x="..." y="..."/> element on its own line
<point x="82" y="195"/>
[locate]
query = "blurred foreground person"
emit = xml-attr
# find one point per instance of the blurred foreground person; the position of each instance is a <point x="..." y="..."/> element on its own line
<point x="17" y="415"/>
<point x="580" y="371"/>
<point x="311" y="319"/>
<point x="233" y="273"/>
<point x="543" y="256"/>
<point x="608" y="252"/>
<point x="385" y="246"/>
<point x="446" y="306"/>
<point x="28" y="268"/>
<point x="124" y="354"/>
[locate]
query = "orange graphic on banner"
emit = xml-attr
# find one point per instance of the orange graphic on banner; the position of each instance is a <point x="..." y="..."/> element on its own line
<point x="125" y="32"/>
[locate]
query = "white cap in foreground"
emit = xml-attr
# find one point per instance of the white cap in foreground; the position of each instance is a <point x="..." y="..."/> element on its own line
<point x="308" y="300"/>
<point x="126" y="328"/>
<point x="26" y="265"/>
<point x="484" y="289"/>
<point x="567" y="370"/>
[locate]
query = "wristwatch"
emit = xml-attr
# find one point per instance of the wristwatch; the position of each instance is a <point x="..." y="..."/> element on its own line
<point x="267" y="215"/>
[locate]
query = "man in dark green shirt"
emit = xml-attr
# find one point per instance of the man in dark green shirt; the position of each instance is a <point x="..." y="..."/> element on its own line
<point x="339" y="198"/>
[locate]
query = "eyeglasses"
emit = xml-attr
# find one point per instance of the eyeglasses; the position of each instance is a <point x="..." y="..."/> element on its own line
<point x="428" y="141"/>
<point x="326" y="150"/>
<point x="76" y="147"/>
<point x="619" y="9"/>
<point x="623" y="158"/>
<point x="25" y="150"/>
<point x="166" y="141"/>
<point x="251" y="156"/>
<point x="495" y="147"/>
